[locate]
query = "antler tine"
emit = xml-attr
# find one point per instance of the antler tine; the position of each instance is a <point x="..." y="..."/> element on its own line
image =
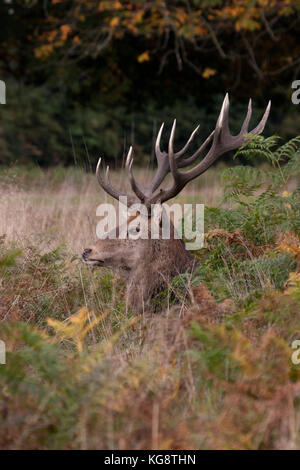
<point x="106" y="185"/>
<point x="178" y="183"/>
<point x="163" y="166"/>
<point x="244" y="128"/>
<point x="178" y="177"/>
<point x="134" y="185"/>
<point x="184" y="149"/>
<point x="188" y="161"/>
<point x="260" y="127"/>
<point x="159" y="154"/>
<point x="172" y="162"/>
<point x="222" y="127"/>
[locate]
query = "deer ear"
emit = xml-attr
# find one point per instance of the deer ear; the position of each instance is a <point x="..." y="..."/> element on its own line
<point x="133" y="216"/>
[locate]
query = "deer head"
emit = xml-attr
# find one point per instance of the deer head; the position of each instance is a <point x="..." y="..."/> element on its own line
<point x="149" y="265"/>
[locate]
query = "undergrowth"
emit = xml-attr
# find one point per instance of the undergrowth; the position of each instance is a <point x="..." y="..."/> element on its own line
<point x="213" y="370"/>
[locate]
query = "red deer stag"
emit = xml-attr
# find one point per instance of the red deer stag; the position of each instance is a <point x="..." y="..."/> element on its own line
<point x="149" y="265"/>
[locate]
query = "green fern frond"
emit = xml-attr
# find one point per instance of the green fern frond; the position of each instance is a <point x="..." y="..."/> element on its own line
<point x="256" y="147"/>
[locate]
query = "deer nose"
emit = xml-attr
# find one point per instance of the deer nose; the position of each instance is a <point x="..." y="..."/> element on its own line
<point x="86" y="252"/>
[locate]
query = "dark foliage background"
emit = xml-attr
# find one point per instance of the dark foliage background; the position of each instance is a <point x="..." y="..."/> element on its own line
<point x="90" y="77"/>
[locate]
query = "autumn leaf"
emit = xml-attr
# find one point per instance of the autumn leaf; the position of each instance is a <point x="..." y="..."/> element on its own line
<point x="292" y="285"/>
<point x="114" y="22"/>
<point x="208" y="72"/>
<point x="117" y="5"/>
<point x="44" y="51"/>
<point x="144" y="57"/>
<point x="77" y="326"/>
<point x="76" y="40"/>
<point x="65" y="31"/>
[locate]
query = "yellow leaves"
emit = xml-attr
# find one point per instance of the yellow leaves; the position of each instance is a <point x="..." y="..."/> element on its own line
<point x="199" y="29"/>
<point x="51" y="36"/>
<point x="231" y="12"/>
<point x="106" y="5"/>
<point x="54" y="38"/>
<point x="289" y="243"/>
<point x="241" y="350"/>
<point x="244" y="15"/>
<point x="131" y="27"/>
<point x="149" y="18"/>
<point x="208" y="72"/>
<point x="43" y="51"/>
<point x="117" y="5"/>
<point x="292" y="283"/>
<point x="65" y="31"/>
<point x="144" y="57"/>
<point x="76" y="327"/>
<point x="247" y="24"/>
<point x="114" y="22"/>
<point x="182" y="16"/>
<point x="76" y="40"/>
<point x="102" y="6"/>
<point x="138" y="17"/>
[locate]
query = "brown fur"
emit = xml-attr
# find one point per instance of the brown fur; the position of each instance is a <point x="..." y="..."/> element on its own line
<point x="148" y="266"/>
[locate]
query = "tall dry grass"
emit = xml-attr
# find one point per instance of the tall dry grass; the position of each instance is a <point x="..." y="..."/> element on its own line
<point x="57" y="206"/>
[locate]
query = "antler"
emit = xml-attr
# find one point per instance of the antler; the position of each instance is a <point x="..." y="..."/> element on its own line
<point x="106" y="185"/>
<point x="222" y="142"/>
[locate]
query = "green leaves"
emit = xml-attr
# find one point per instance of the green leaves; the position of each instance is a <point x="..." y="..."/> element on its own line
<point x="259" y="193"/>
<point x="242" y="181"/>
<point x="241" y="239"/>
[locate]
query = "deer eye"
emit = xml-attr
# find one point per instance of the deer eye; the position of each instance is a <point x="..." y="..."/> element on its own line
<point x="134" y="230"/>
